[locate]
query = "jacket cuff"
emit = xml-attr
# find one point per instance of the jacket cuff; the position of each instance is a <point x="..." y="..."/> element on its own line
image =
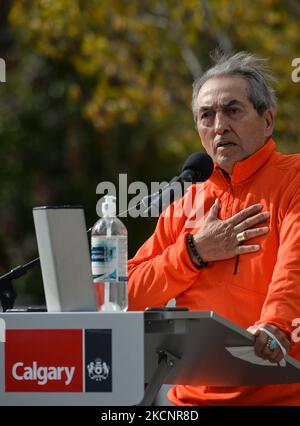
<point x="183" y="254"/>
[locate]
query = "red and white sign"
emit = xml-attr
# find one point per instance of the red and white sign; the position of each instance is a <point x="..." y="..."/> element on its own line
<point x="43" y="361"/>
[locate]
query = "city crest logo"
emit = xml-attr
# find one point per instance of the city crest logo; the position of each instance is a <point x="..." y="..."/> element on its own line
<point x="98" y="370"/>
<point x="98" y="360"/>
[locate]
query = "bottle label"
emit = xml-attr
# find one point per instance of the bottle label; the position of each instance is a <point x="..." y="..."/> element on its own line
<point x="109" y="258"/>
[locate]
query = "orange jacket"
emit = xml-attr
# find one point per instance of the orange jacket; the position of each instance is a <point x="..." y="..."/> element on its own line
<point x="263" y="287"/>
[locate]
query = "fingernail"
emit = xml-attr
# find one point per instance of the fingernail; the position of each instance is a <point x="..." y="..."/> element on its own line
<point x="265" y="229"/>
<point x="256" y="247"/>
<point x="266" y="214"/>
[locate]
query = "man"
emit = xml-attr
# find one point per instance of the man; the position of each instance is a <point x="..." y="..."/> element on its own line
<point x="242" y="260"/>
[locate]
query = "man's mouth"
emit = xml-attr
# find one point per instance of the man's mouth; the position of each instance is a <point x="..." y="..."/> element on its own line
<point x="225" y="144"/>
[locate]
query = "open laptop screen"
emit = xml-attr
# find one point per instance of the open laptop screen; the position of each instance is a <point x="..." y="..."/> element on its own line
<point x="65" y="258"/>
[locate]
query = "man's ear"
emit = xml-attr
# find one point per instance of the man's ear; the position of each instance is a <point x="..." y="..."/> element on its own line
<point x="269" y="122"/>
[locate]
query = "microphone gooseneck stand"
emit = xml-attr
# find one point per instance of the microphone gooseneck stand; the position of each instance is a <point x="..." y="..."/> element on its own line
<point x="7" y="292"/>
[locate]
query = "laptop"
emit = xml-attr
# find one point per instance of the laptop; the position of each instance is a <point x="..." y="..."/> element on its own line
<point x="65" y="258"/>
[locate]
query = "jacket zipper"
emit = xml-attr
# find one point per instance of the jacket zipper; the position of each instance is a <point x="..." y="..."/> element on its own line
<point x="237" y="259"/>
<point x="236" y="264"/>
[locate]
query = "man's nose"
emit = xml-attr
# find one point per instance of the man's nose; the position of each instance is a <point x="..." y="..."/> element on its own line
<point x="221" y="123"/>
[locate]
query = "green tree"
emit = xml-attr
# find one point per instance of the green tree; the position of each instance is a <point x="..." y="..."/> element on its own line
<point x="97" y="88"/>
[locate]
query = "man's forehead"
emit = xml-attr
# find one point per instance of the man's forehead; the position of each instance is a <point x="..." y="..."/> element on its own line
<point x="223" y="91"/>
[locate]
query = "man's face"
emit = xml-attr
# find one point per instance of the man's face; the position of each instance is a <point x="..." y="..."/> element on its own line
<point x="229" y="127"/>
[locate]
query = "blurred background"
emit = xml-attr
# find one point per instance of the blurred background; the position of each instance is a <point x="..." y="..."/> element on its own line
<point x="95" y="88"/>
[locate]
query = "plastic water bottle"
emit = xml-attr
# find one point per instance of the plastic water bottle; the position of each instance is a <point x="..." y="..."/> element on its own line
<point x="109" y="259"/>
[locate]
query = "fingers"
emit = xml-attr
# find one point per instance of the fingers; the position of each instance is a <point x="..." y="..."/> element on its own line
<point x="243" y="249"/>
<point x="217" y="239"/>
<point x="252" y="233"/>
<point x="247" y="233"/>
<point x="214" y="210"/>
<point x="262" y="348"/>
<point x="244" y="214"/>
<point x="260" y="344"/>
<point x="273" y="356"/>
<point x="251" y="221"/>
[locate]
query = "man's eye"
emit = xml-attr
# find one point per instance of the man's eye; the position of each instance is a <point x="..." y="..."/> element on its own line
<point x="206" y="114"/>
<point x="233" y="110"/>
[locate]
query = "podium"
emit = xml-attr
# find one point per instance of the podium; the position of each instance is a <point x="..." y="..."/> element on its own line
<point x="106" y="359"/>
<point x="103" y="354"/>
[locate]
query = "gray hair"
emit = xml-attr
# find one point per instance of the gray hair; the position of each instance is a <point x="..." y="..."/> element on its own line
<point x="253" y="69"/>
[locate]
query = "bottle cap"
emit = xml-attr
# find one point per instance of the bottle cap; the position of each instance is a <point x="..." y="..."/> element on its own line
<point x="109" y="206"/>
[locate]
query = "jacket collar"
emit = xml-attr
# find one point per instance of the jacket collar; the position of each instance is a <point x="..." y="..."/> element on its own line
<point x="242" y="170"/>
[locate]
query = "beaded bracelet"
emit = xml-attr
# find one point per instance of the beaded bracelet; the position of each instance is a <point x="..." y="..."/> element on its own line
<point x="191" y="243"/>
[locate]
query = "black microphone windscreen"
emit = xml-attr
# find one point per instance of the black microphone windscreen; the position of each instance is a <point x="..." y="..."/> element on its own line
<point x="201" y="164"/>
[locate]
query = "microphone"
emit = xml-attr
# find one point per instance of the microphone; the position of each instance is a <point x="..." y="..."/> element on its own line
<point x="197" y="168"/>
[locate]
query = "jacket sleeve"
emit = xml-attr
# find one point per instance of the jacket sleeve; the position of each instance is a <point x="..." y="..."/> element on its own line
<point x="162" y="268"/>
<point x="282" y="304"/>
